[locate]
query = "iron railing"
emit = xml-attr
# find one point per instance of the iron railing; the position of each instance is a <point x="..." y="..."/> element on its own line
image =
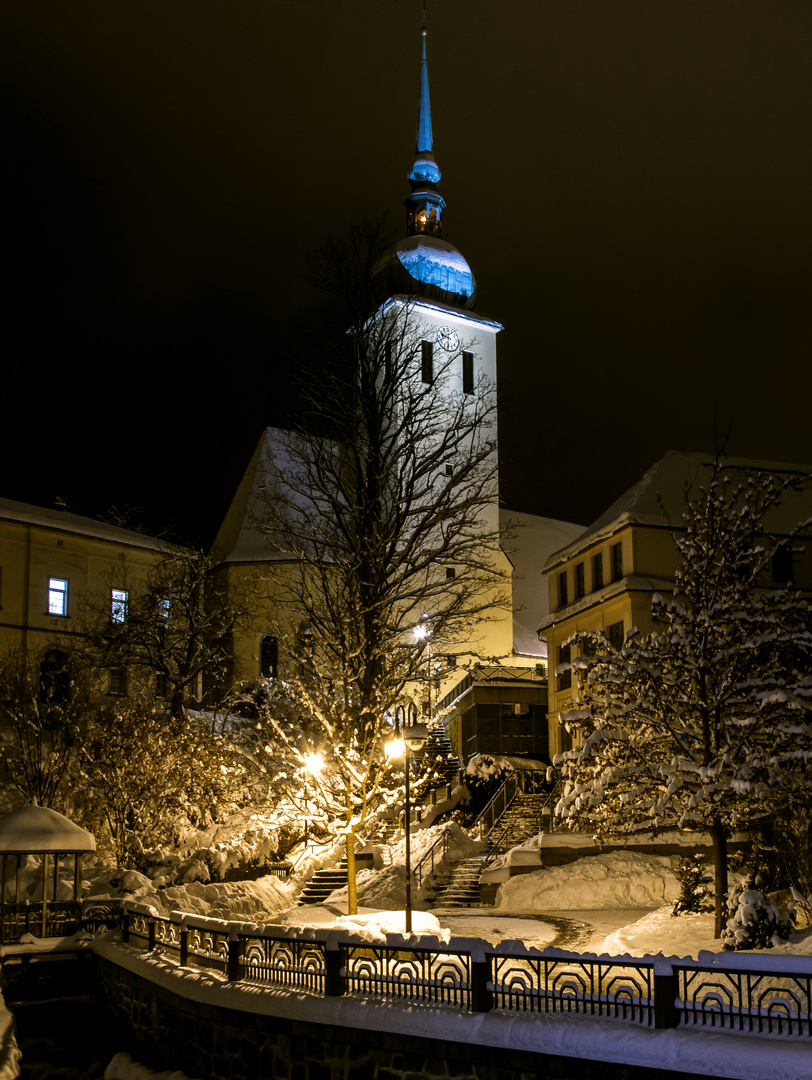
<point x="56" y="918"/>
<point x="727" y="991"/>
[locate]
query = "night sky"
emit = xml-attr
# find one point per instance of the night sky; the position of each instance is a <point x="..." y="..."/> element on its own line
<point x="629" y="181"/>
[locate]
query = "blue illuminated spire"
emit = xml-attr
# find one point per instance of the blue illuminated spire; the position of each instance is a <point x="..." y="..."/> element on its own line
<point x="425" y="204"/>
<point x="424" y="138"/>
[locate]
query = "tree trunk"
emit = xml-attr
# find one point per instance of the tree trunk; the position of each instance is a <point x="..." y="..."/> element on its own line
<point x="719" y="836"/>
<point x="352" y="892"/>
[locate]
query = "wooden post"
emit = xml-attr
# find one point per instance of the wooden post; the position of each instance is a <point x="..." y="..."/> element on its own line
<point x="44" y="891"/>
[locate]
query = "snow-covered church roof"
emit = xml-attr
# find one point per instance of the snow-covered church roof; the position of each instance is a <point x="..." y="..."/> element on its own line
<point x="33" y="829"/>
<point x="658" y="498"/>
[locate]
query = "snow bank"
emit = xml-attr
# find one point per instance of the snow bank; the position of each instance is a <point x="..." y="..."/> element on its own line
<point x="122" y="1067"/>
<point x="614" y="880"/>
<point x="660" y="931"/>
<point x="248" y="901"/>
<point x="9" y="1053"/>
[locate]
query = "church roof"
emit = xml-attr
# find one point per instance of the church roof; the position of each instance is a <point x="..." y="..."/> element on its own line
<point x="62" y="521"/>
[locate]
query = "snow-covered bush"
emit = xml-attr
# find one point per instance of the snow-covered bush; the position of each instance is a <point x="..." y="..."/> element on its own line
<point x="695" y="886"/>
<point x="755" y="922"/>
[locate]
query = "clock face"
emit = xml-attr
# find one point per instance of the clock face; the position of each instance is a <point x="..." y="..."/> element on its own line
<point x="447" y="338"/>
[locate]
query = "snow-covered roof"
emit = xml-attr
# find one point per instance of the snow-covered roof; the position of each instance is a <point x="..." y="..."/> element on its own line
<point x="32" y="829"/>
<point x="532" y="542"/>
<point x="669" y="481"/>
<point x="63" y="521"/>
<point x="239" y="539"/>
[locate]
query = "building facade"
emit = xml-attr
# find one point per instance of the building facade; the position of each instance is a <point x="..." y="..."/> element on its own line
<point x="604" y="579"/>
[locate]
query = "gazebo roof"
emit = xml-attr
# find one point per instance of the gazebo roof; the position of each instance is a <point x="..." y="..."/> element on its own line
<point x="34" y="829"/>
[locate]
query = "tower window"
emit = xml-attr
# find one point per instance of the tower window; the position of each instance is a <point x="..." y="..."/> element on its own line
<point x="450" y="572"/>
<point x="57" y="596"/>
<point x="467" y="373"/>
<point x="427" y="362"/>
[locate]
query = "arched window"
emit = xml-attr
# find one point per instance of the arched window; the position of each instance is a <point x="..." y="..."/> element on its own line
<point x="54" y="677"/>
<point x="268" y="657"/>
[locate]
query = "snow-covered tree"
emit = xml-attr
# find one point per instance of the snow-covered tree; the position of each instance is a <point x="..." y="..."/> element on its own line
<point x="384" y="517"/>
<point x="705" y="723"/>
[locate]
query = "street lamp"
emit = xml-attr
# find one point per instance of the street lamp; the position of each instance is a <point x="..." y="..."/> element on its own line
<point x="414" y="739"/>
<point x="422" y="632"/>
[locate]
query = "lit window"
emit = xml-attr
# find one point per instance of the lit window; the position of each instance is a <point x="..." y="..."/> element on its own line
<point x="118" y="606"/>
<point x="57" y="596"/>
<point x="427" y="362"/>
<point x="467" y="373"/>
<point x="163" y="608"/>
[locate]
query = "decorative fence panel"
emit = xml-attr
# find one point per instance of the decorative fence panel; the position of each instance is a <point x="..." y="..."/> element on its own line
<point x="292" y="963"/>
<point x="746" y="999"/>
<point x="737" y="993"/>
<point x="403" y="971"/>
<point x="593" y="987"/>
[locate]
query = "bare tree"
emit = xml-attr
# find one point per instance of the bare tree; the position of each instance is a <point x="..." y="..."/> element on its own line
<point x="388" y="517"/>
<point x="42" y="715"/>
<point x="171" y="628"/>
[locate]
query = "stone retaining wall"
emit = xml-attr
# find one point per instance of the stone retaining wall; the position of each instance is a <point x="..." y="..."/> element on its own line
<point x="226" y="1044"/>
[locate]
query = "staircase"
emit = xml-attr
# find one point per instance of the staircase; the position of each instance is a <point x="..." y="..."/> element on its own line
<point x="323" y="882"/>
<point x="524" y="818"/>
<point x="438" y="755"/>
<point x="458" y="886"/>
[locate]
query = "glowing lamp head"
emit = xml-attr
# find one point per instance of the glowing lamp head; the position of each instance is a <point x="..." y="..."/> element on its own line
<point x="314" y="763"/>
<point x="423" y="629"/>
<point x="395" y="748"/>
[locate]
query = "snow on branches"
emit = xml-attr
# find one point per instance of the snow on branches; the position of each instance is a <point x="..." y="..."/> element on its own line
<point x="703" y="723"/>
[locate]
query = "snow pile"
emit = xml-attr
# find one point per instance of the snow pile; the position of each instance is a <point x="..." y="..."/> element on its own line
<point x="243" y="901"/>
<point x="102" y="881"/>
<point x="122" y="1067"/>
<point x="660" y="931"/>
<point x="9" y="1053"/>
<point x="375" y="925"/>
<point x="614" y="880"/>
<point x="384" y="889"/>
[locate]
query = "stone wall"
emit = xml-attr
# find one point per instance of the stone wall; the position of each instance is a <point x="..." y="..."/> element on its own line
<point x="225" y="1044"/>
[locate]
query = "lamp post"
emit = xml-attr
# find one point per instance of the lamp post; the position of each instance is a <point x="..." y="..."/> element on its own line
<point x="422" y="632"/>
<point x="414" y="739"/>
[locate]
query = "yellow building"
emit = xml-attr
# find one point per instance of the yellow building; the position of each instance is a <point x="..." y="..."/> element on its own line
<point x="604" y="580"/>
<point x="52" y="564"/>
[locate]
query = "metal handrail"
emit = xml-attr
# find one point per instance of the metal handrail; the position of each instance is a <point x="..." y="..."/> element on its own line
<point x="418" y="870"/>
